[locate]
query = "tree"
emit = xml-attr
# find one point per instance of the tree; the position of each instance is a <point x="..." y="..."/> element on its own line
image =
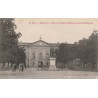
<point x="85" y="49"/>
<point x="82" y="50"/>
<point x="9" y="39"/>
<point x="92" y="47"/>
<point x="88" y="47"/>
<point x="9" y="36"/>
<point x="19" y="56"/>
<point x="62" y="53"/>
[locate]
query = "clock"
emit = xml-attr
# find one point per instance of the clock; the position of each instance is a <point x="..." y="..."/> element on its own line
<point x="40" y="43"/>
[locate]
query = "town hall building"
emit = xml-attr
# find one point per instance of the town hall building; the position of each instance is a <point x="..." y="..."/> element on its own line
<point x="39" y="52"/>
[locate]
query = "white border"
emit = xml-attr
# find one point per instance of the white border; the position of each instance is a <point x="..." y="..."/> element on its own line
<point x="49" y="88"/>
<point x="49" y="8"/>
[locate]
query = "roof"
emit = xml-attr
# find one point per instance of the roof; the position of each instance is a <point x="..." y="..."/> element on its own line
<point x="55" y="44"/>
<point x="29" y="44"/>
<point x="24" y="44"/>
<point x="40" y="41"/>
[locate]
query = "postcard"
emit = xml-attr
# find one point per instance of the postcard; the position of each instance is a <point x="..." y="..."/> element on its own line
<point x="48" y="48"/>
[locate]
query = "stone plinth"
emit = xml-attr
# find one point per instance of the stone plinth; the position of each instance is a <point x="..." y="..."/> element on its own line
<point x="52" y="64"/>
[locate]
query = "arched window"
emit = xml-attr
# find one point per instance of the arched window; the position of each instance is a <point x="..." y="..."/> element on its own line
<point x="47" y="55"/>
<point x="40" y="56"/>
<point x="33" y="56"/>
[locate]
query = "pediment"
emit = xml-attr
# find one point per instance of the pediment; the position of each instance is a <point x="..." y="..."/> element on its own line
<point x="40" y="43"/>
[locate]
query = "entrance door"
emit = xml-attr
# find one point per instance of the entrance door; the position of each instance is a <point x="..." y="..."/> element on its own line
<point x="40" y="60"/>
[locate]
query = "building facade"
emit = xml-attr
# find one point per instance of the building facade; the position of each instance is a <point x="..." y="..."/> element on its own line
<point x="39" y="52"/>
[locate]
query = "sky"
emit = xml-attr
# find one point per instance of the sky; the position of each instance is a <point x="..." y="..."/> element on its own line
<point x="53" y="30"/>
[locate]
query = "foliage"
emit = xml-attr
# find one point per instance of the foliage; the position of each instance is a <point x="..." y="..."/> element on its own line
<point x="9" y="40"/>
<point x="85" y="50"/>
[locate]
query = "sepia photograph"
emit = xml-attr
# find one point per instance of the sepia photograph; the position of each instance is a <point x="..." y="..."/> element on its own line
<point x="48" y="48"/>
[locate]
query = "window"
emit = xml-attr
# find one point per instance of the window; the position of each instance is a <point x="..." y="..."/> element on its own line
<point x="40" y="56"/>
<point x="33" y="56"/>
<point x="47" y="55"/>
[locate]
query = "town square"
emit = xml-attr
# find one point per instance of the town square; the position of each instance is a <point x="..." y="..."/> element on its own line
<point x="49" y="50"/>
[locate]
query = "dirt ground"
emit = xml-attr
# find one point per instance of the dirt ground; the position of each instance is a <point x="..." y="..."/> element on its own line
<point x="31" y="73"/>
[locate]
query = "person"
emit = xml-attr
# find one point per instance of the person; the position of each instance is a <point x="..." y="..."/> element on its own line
<point x="22" y="67"/>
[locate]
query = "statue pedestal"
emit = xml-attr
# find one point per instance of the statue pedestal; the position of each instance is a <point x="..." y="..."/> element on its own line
<point x="52" y="64"/>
